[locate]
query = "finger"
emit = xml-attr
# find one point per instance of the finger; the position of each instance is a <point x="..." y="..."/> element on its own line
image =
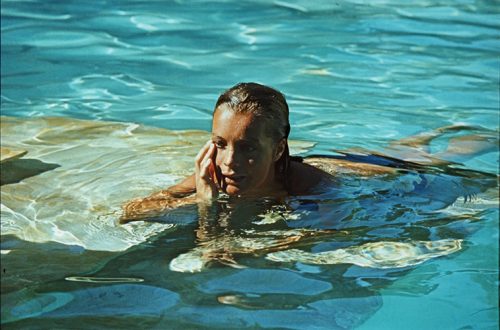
<point x="212" y="173"/>
<point x="205" y="169"/>
<point x="203" y="152"/>
<point x="210" y="168"/>
<point x="218" y="176"/>
<point x="213" y="168"/>
<point x="207" y="159"/>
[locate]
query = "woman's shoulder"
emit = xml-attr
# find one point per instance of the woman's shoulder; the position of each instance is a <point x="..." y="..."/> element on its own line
<point x="312" y="174"/>
<point x="305" y="178"/>
<point x="349" y="166"/>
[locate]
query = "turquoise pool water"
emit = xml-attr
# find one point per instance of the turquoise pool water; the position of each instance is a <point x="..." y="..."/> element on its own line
<point x="356" y="75"/>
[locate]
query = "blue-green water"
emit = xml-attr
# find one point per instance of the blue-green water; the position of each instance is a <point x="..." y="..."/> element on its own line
<point x="355" y="75"/>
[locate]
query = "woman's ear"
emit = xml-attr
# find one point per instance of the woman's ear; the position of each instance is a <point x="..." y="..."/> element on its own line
<point x="280" y="149"/>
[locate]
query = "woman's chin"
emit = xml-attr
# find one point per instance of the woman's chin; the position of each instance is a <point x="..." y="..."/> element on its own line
<point x="232" y="190"/>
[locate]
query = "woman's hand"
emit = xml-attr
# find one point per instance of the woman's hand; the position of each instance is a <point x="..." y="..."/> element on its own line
<point x="207" y="187"/>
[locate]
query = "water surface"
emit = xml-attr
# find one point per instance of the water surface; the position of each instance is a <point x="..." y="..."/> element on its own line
<point x="385" y="253"/>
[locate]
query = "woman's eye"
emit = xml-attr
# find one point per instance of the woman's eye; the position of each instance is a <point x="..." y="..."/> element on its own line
<point x="219" y="145"/>
<point x="249" y="148"/>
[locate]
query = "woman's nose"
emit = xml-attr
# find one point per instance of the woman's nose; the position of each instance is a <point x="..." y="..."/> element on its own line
<point x="229" y="159"/>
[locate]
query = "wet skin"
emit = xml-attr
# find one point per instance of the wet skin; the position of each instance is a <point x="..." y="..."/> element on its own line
<point x="240" y="158"/>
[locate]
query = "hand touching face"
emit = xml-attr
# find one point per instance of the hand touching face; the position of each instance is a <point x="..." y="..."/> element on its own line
<point x="207" y="186"/>
<point x="245" y="155"/>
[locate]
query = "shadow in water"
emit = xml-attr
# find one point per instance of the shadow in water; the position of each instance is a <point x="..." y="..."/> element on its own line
<point x="19" y="169"/>
<point x="21" y="260"/>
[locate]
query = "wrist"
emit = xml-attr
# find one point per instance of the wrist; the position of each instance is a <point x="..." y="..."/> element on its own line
<point x="206" y="196"/>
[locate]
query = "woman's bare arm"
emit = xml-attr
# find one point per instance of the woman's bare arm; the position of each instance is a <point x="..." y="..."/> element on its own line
<point x="161" y="201"/>
<point x="185" y="188"/>
<point x="203" y="182"/>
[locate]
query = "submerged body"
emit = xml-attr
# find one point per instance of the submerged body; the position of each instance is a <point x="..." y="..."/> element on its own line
<point x="248" y="156"/>
<point x="315" y="175"/>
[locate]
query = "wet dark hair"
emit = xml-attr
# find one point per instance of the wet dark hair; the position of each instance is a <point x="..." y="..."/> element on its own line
<point x="270" y="105"/>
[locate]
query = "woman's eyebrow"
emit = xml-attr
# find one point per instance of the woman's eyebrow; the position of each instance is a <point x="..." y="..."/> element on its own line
<point x="216" y="137"/>
<point x="248" y="140"/>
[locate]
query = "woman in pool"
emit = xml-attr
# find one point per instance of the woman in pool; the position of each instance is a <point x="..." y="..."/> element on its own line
<point x="248" y="155"/>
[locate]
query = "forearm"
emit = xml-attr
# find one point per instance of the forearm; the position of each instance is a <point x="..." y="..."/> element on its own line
<point x="185" y="188"/>
<point x="159" y="202"/>
<point x="203" y="183"/>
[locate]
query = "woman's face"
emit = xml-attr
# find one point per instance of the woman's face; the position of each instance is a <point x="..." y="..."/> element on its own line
<point x="245" y="154"/>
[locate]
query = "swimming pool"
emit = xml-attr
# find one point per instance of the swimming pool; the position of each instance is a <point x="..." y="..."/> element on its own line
<point x="135" y="82"/>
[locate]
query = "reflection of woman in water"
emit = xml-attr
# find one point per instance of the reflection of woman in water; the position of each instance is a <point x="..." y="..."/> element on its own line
<point x="248" y="155"/>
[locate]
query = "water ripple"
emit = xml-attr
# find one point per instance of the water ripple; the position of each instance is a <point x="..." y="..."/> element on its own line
<point x="375" y="255"/>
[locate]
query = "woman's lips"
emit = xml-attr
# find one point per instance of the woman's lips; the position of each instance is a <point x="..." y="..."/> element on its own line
<point x="233" y="179"/>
